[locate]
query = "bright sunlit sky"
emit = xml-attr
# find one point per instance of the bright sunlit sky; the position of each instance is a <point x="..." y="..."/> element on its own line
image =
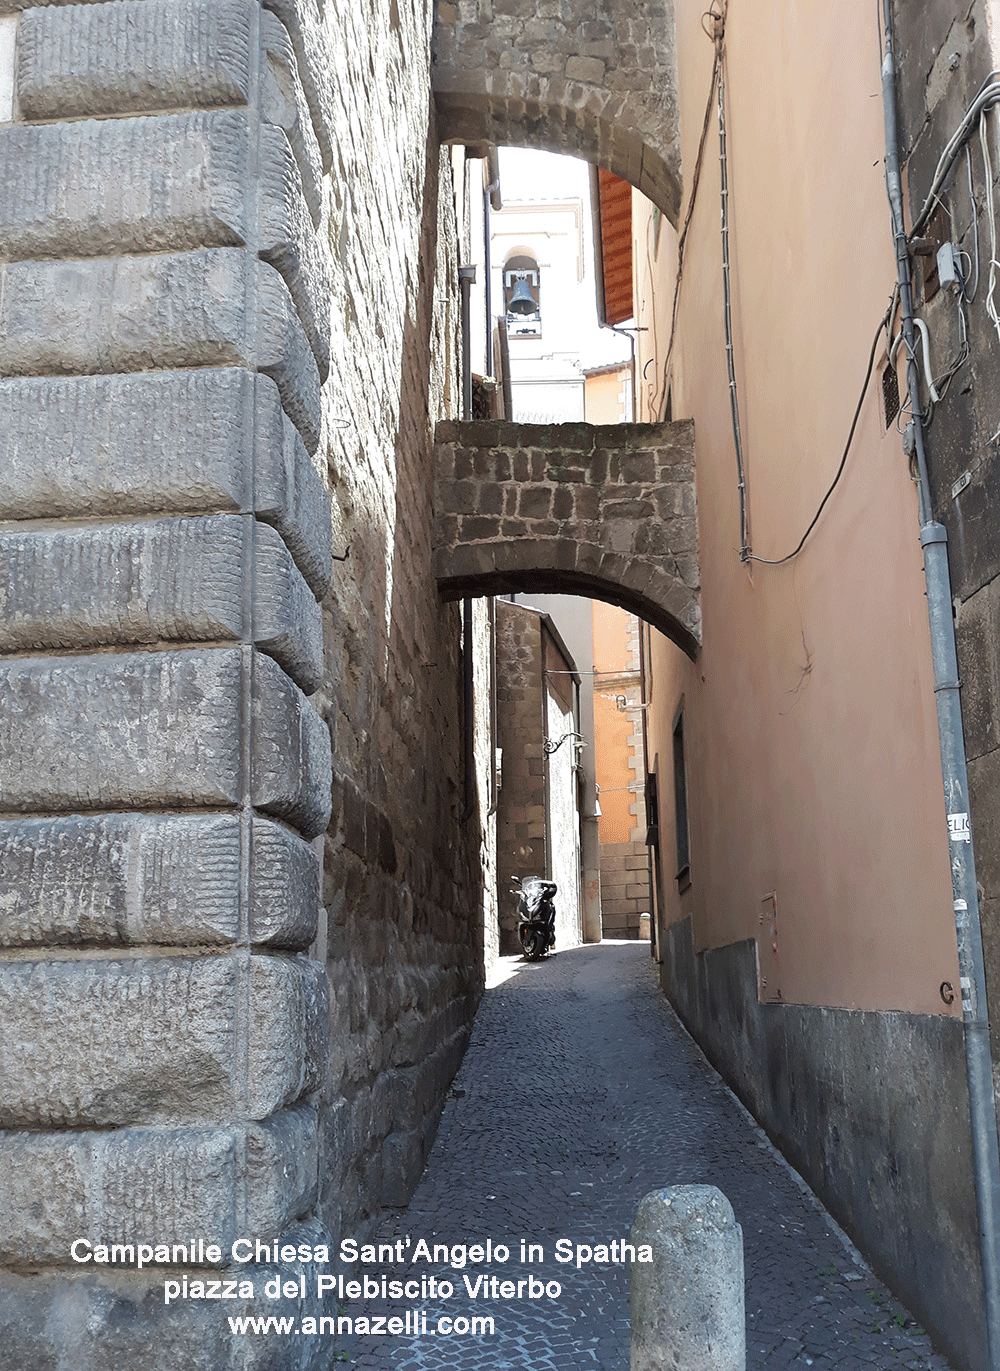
<point x="527" y="175"/>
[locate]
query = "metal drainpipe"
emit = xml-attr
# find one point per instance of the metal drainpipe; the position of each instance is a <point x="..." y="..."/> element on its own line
<point x="933" y="539"/>
<point x="488" y="281"/>
<point x="630" y="335"/>
<point x="491" y="198"/>
<point x="468" y="712"/>
<point x="466" y="276"/>
<point x="653" y="952"/>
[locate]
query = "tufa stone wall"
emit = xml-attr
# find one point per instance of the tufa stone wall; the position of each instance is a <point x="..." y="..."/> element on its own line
<point x="240" y="923"/>
<point x="603" y="511"/>
<point x="597" y="81"/>
<point x="624" y="888"/>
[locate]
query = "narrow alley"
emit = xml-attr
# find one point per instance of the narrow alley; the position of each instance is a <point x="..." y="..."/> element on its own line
<point x="580" y="1092"/>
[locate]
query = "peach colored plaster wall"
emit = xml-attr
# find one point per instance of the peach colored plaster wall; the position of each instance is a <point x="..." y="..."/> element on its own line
<point x="809" y="718"/>
<point x="611" y="726"/>
<point x="603" y="395"/>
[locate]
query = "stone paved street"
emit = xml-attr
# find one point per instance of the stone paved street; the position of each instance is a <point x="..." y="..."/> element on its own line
<point x="580" y="1092"/>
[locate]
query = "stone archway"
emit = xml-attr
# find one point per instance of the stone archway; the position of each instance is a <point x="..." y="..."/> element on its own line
<point x="603" y="511"/>
<point x="596" y="81"/>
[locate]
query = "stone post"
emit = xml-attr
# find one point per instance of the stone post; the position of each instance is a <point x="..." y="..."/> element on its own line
<point x="687" y="1303"/>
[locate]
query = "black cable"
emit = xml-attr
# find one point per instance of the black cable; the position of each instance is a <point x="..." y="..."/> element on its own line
<point x="778" y="561"/>
<point x="695" y="179"/>
<point x="734" y="402"/>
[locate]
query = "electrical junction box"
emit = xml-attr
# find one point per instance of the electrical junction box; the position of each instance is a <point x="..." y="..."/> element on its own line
<point x="949" y="275"/>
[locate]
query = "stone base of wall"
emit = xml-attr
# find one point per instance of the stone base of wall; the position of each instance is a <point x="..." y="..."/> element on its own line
<point x="113" y="1319"/>
<point x="871" y="1108"/>
<point x="624" y="888"/>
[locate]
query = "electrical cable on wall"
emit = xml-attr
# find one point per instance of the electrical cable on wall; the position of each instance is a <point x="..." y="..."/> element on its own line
<point x="970" y="294"/>
<point x="717" y="15"/>
<point x="975" y="120"/>
<point x="734" y="399"/>
<point x="713" y="23"/>
<point x="987" y="96"/>
<point x="883" y="324"/>
<point x="991" y="309"/>
<point x="976" y="117"/>
<point x="986" y="100"/>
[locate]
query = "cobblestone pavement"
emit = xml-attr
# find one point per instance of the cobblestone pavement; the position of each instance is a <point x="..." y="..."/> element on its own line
<point x="579" y="1093"/>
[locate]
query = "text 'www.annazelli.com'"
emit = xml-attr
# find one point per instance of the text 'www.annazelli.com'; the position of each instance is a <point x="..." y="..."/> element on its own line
<point x="414" y="1324"/>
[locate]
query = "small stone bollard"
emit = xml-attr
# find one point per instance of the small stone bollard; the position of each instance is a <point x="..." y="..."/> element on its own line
<point x="687" y="1303"/>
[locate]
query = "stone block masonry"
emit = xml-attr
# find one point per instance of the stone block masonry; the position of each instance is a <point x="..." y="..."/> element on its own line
<point x="624" y="888"/>
<point x="604" y="511"/>
<point x="240" y="924"/>
<point x="165" y="536"/>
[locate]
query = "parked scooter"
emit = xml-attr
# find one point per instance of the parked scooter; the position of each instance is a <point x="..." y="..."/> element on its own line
<point x="536" y="915"/>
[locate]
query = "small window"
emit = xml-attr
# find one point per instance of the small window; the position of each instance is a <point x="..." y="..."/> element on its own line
<point x="652" y="811"/>
<point x="681" y="808"/>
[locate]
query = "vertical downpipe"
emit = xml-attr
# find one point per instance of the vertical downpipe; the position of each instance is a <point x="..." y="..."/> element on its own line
<point x="491" y="199"/>
<point x="466" y="276"/>
<point x="933" y="540"/>
<point x="468" y="708"/>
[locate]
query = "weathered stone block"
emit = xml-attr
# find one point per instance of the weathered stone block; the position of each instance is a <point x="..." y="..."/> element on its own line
<point x="141" y="313"/>
<point x="293" y="769"/>
<point x="980" y="669"/>
<point x="289" y="492"/>
<point x="98" y="187"/>
<point x="154" y="1185"/>
<point x="159" y="1040"/>
<point x="109" y="1320"/>
<point x="289" y="1026"/>
<point x="105" y="187"/>
<point x="104" y="1321"/>
<point x="289" y="241"/>
<point x="402" y="1162"/>
<point x="177" y="579"/>
<point x="95" y="446"/>
<point x="284" y="887"/>
<point x="112" y="58"/>
<point x="137" y="879"/>
<point x="148" y="730"/>
<point x="303" y="20"/>
<point x="287" y="621"/>
<point x="125" y="731"/>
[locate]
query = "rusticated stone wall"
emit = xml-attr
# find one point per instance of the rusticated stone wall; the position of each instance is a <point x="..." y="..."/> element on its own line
<point x="240" y="921"/>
